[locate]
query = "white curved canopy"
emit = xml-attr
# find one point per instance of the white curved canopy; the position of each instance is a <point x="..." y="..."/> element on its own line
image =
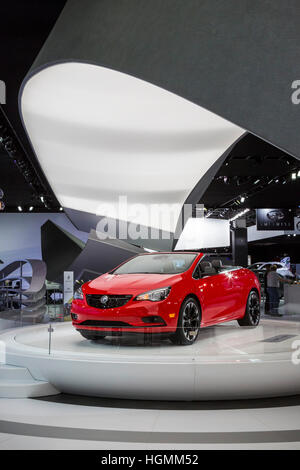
<point x="99" y="134"/>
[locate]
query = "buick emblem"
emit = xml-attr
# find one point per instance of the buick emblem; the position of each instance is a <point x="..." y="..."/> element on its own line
<point x="104" y="299"/>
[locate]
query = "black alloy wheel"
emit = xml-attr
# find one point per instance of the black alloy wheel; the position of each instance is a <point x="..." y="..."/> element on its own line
<point x="252" y="313"/>
<point x="188" y="323"/>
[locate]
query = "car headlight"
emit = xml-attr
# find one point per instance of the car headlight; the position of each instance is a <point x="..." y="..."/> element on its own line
<point x="78" y="294"/>
<point x="155" y="295"/>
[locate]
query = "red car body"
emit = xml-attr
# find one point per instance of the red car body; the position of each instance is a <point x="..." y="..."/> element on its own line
<point x="222" y="296"/>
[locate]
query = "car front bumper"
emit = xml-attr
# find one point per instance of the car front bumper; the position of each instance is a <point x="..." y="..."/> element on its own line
<point x="134" y="317"/>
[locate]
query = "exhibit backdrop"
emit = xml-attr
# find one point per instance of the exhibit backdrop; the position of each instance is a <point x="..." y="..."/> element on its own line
<point x="20" y="234"/>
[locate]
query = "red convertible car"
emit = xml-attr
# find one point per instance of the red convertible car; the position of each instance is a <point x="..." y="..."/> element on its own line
<point x="174" y="293"/>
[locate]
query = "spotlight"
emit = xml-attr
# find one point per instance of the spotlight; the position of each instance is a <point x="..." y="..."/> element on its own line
<point x="243" y="199"/>
<point x="61" y="209"/>
<point x="298" y="174"/>
<point x="20" y="209"/>
<point x="294" y="176"/>
<point x="31" y="208"/>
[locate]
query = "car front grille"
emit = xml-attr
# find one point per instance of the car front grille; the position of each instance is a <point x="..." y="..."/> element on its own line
<point x="113" y="301"/>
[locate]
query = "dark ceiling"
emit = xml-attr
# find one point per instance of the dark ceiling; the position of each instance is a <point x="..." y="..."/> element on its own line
<point x="25" y="26"/>
<point x="255" y="175"/>
<point x="16" y="191"/>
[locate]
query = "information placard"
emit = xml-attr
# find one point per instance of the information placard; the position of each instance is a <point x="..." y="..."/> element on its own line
<point x="68" y="286"/>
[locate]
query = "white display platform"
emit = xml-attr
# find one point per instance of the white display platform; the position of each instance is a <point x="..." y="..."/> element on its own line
<point x="17" y="382"/>
<point x="226" y="362"/>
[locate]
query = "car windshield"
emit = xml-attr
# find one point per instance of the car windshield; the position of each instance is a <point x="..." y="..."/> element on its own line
<point x="160" y="263"/>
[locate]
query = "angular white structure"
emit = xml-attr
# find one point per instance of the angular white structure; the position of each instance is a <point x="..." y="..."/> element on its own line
<point x="99" y="134"/>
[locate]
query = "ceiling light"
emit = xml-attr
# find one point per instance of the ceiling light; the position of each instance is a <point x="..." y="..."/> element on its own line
<point x="61" y="209"/>
<point x="298" y="174"/>
<point x="42" y="198"/>
<point x="243" y="199"/>
<point x="294" y="176"/>
<point x="240" y="214"/>
<point x="257" y="181"/>
<point x="31" y="208"/>
<point x="20" y="209"/>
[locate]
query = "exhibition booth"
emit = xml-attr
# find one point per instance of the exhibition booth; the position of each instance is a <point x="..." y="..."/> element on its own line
<point x="45" y="355"/>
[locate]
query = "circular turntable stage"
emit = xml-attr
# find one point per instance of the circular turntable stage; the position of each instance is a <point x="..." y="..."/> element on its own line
<point x="226" y="362"/>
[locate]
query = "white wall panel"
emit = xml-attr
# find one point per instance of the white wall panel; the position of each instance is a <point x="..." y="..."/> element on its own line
<point x="204" y="233"/>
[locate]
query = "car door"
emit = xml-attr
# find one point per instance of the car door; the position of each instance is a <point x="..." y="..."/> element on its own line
<point x="216" y="296"/>
<point x="240" y="291"/>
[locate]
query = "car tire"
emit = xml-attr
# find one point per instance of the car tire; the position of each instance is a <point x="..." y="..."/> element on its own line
<point x="189" y="322"/>
<point x="91" y="336"/>
<point x="252" y="312"/>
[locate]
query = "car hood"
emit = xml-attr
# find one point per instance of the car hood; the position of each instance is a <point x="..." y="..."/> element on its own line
<point x="130" y="283"/>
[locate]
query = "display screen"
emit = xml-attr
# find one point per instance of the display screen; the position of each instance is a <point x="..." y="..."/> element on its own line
<point x="159" y="263"/>
<point x="275" y="219"/>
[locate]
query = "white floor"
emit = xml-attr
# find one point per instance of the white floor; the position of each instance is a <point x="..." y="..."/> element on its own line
<point x="120" y="428"/>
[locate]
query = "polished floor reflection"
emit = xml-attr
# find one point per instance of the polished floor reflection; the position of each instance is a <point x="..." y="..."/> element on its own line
<point x="227" y="339"/>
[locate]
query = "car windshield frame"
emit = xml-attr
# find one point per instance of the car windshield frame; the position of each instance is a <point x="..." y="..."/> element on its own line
<point x="187" y="265"/>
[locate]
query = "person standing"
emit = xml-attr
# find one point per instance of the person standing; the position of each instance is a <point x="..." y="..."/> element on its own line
<point x="273" y="287"/>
